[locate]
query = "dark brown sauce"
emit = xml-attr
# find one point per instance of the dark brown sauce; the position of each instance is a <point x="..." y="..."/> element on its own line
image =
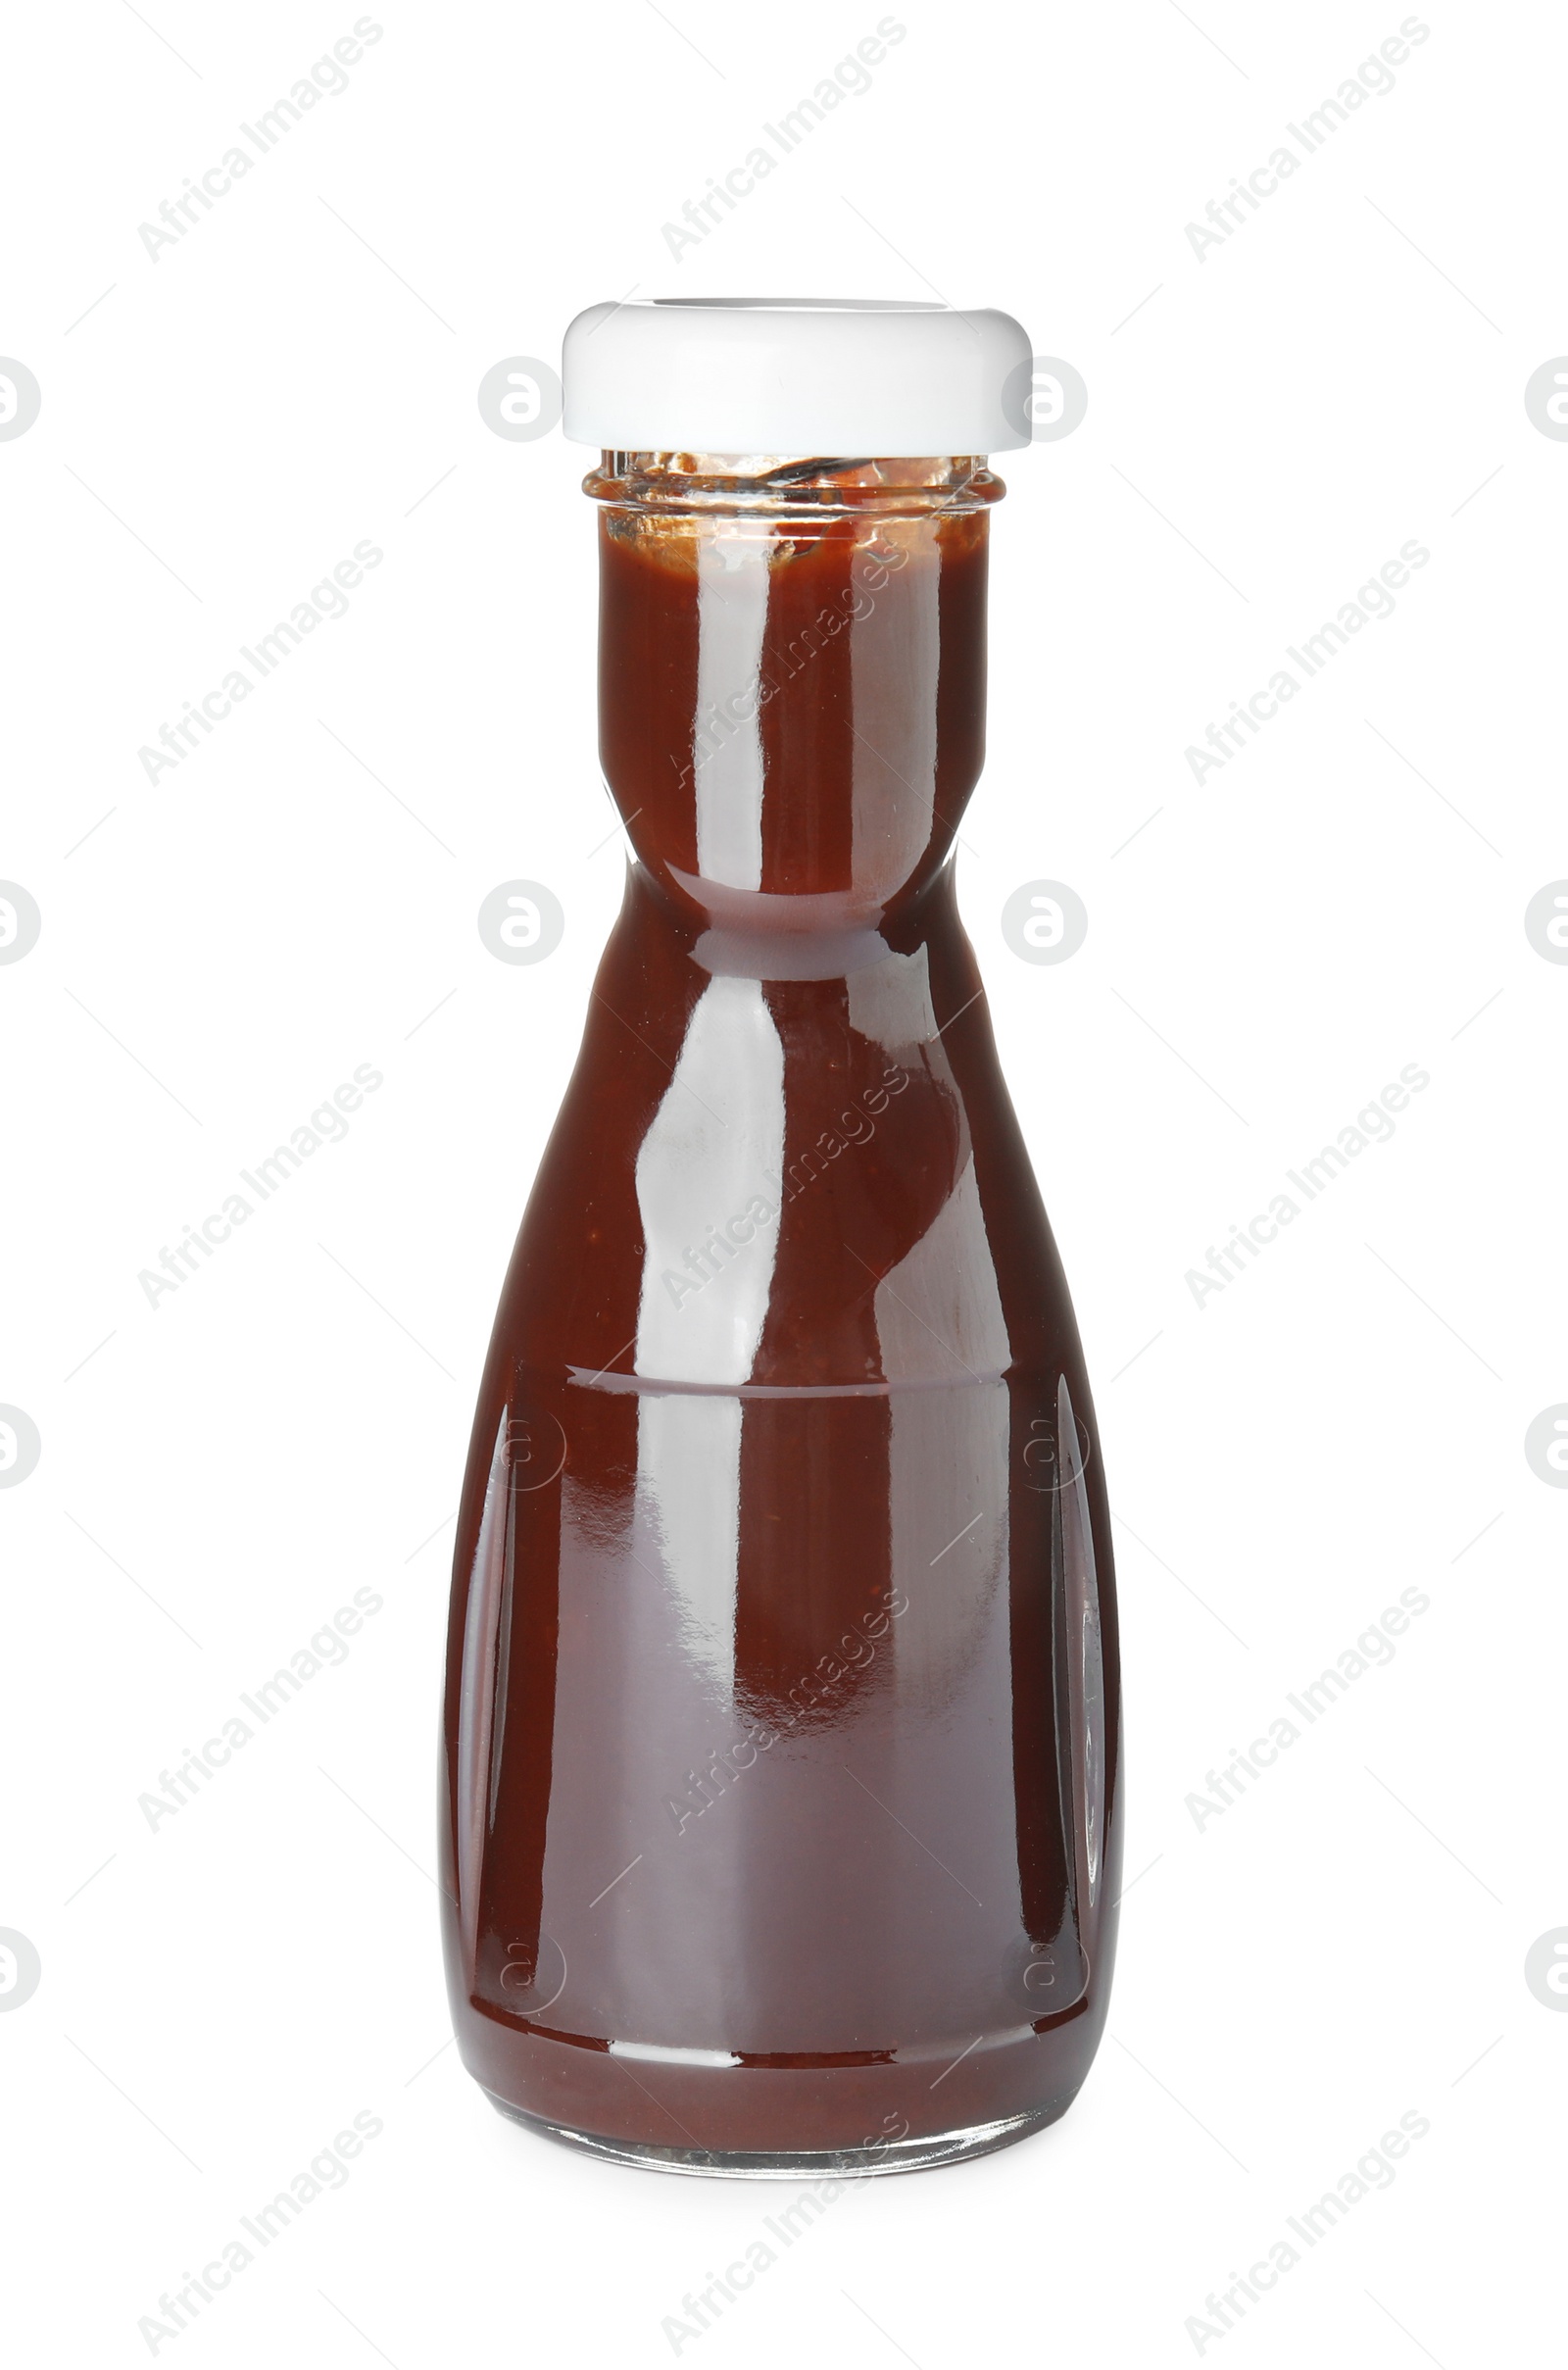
<point x="782" y="1724"/>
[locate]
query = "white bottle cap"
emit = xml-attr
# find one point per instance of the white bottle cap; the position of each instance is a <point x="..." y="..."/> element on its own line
<point x="795" y="376"/>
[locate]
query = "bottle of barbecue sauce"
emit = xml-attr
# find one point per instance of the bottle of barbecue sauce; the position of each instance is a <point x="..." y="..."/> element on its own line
<point x="781" y="1746"/>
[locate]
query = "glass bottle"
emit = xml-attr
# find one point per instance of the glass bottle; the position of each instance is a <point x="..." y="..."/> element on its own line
<point x="779" y="1819"/>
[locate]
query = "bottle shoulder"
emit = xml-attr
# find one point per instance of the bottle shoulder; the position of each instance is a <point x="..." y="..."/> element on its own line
<point x="786" y="1183"/>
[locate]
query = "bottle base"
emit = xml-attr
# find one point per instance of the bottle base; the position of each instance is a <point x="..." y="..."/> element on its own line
<point x="792" y="2164"/>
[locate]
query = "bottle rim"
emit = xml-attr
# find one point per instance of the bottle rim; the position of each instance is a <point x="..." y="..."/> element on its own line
<point x="776" y="485"/>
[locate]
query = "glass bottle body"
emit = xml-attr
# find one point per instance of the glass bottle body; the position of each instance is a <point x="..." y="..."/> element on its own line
<point x="781" y="1740"/>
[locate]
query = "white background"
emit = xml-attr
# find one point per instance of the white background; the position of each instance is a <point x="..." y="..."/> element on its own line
<point x="1266" y="427"/>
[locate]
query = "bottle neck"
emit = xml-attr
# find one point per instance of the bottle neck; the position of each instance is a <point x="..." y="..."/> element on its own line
<point x="792" y="679"/>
